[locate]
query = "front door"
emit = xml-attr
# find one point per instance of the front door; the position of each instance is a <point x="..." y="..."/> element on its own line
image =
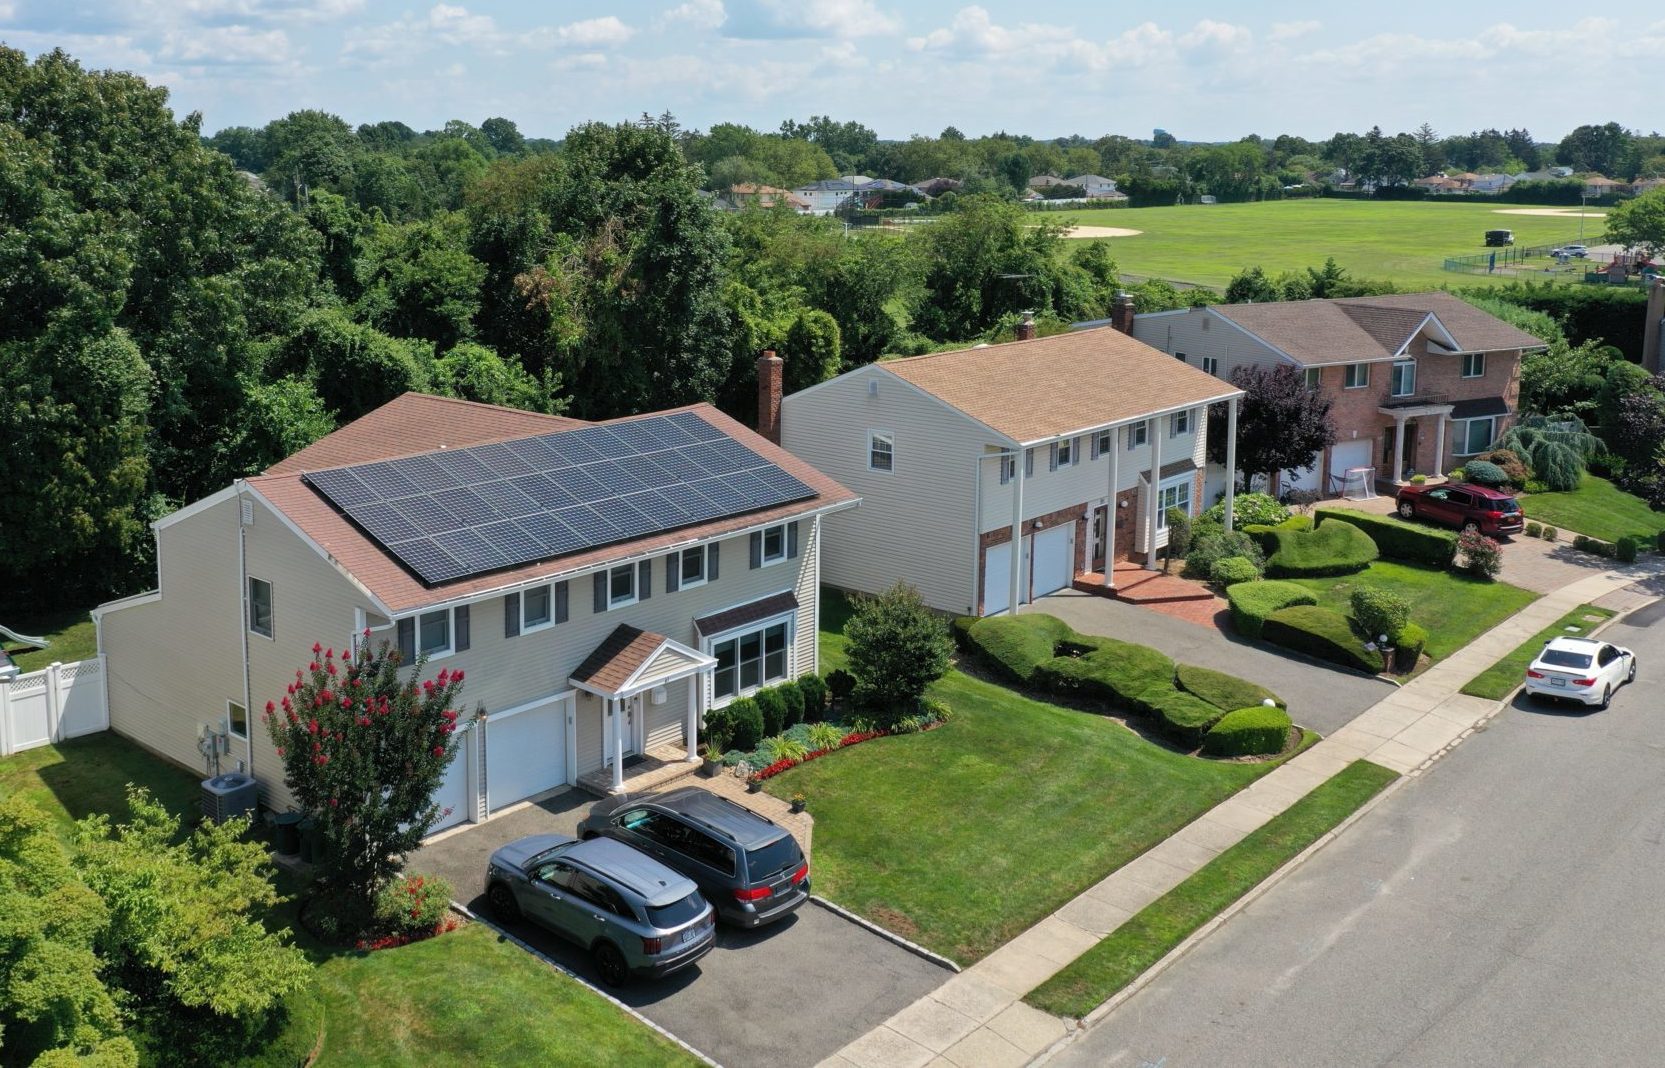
<point x="1101" y="517"/>
<point x="632" y="725"/>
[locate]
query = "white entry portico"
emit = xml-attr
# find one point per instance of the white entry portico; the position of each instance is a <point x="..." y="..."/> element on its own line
<point x="633" y="671"/>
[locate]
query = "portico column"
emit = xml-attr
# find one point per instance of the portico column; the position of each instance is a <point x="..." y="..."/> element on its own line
<point x="613" y="704"/>
<point x="1398" y="448"/>
<point x="1017" y="531"/>
<point x="1111" y="509"/>
<point x="1153" y="432"/>
<point x="1439" y="444"/>
<point x="1231" y="458"/>
<point x="692" y="729"/>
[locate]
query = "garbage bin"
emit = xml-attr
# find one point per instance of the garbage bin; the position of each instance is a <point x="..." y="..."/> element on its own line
<point x="287" y="832"/>
<point x="309" y="840"/>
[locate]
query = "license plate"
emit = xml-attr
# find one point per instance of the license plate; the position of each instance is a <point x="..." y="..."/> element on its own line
<point x="692" y="934"/>
<point x="1557" y="682"/>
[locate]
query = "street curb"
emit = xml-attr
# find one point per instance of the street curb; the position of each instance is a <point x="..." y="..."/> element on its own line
<point x="890" y="936"/>
<point x="475" y="917"/>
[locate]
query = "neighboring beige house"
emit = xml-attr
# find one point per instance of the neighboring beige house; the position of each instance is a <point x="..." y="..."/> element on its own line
<point x="600" y="585"/>
<point x="959" y="455"/>
<point x="1417" y="381"/>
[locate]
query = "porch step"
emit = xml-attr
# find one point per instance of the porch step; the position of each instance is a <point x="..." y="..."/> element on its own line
<point x="1138" y="586"/>
<point x="658" y="770"/>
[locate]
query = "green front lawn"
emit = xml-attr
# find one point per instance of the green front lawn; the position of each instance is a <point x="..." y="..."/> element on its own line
<point x="1128" y="951"/>
<point x="70" y="631"/>
<point x="464" y="998"/>
<point x="1455" y="608"/>
<point x="1497" y="681"/>
<point x="1596" y="508"/>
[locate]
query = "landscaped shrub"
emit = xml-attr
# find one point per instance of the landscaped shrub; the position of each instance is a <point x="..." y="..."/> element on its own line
<point x="1482" y="556"/>
<point x="961" y="625"/>
<point x="1208" y="548"/>
<point x="1557" y="448"/>
<point x="1105" y="669"/>
<point x="1594" y="546"/>
<point x="1408" y="645"/>
<point x="1262" y="533"/>
<point x="814" y="691"/>
<point x="1534" y="530"/>
<point x="1252" y="602"/>
<point x="1625" y="549"/>
<point x="1514" y="469"/>
<point x="415" y="904"/>
<point x="1247" y="508"/>
<point x="1181" y="716"/>
<point x="824" y="736"/>
<point x="772" y="706"/>
<point x="1660" y="541"/>
<point x="1484" y="473"/>
<point x="793" y="696"/>
<point x="840" y="684"/>
<point x="1232" y="570"/>
<point x="744" y="721"/>
<point x="1336" y="549"/>
<point x="1253" y="731"/>
<point x="1396" y="539"/>
<point x="1322" y="633"/>
<point x="1179" y="536"/>
<point x="1223" y="691"/>
<point x="1552" y="534"/>
<point x="896" y="646"/>
<point x="1017" y="645"/>
<point x="773" y="750"/>
<point x="1378" y="611"/>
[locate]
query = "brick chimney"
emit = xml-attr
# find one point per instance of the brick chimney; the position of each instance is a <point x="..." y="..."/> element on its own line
<point x="1025" y="330"/>
<point x="1121" y="313"/>
<point x="1651" y="334"/>
<point x="770" y="371"/>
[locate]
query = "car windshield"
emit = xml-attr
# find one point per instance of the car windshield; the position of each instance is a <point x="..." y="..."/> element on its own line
<point x="676" y="913"/>
<point x="1565" y="658"/>
<point x="766" y="860"/>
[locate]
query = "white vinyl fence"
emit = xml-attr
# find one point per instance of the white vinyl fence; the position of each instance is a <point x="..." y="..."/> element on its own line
<point x="63" y="701"/>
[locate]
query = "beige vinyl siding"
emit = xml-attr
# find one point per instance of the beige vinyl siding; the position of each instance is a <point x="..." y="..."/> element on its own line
<point x="665" y="722"/>
<point x="591" y="737"/>
<point x="915" y="521"/>
<point x="1198" y="332"/>
<point x="173" y="663"/>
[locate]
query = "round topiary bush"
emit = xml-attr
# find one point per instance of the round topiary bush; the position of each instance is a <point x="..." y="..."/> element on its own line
<point x="1258" y="731"/>
<point x="1199" y="562"/>
<point x="745" y="724"/>
<point x="1233" y="569"/>
<point x="772" y="706"/>
<point x="1484" y="473"/>
<point x="1379" y="611"/>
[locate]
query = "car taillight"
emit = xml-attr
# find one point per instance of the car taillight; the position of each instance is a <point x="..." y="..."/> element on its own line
<point x="650" y="946"/>
<point x="1534" y="674"/>
<point x="1494" y="515"/>
<point x="801" y="874"/>
<point x="1584" y="682"/>
<point x="756" y="893"/>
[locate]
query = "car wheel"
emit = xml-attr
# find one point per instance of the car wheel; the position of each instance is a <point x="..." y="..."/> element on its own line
<point x="1407" y="510"/>
<point x="502" y="902"/>
<point x="610" y="963"/>
<point x="1606" y="698"/>
<point x="1630" y="676"/>
<point x="1471" y="527"/>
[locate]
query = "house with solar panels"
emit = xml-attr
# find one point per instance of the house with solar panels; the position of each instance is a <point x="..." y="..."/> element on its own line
<point x="601" y="585"/>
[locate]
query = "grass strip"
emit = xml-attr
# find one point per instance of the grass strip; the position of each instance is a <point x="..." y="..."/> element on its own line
<point x="1499" y="680"/>
<point x="1133" y="947"/>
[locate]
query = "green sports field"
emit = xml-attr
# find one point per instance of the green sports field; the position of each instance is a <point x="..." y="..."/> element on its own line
<point x="1403" y="241"/>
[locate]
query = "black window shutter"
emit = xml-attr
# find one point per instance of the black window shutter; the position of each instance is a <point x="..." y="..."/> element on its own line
<point x="673" y="572"/>
<point x="600" y="591"/>
<point x="644" y="580"/>
<point x="407" y="640"/>
<point x="711" y="562"/>
<point x="791" y="540"/>
<point x="511" y="615"/>
<point x="757" y="549"/>
<point x="459" y="621"/>
<point x="561" y="602"/>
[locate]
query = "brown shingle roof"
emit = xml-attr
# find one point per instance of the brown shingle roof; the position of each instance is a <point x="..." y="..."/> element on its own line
<point x="1038" y="389"/>
<point x="1357" y="329"/>
<point x="362" y="558"/>
<point x="612" y="662"/>
<point x="416" y="422"/>
<point x="762" y="608"/>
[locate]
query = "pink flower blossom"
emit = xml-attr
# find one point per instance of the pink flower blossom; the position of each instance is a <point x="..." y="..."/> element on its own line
<point x="317" y="647"/>
<point x="439" y="750"/>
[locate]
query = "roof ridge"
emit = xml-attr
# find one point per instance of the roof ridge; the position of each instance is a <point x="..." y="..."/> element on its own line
<point x="984" y="346"/>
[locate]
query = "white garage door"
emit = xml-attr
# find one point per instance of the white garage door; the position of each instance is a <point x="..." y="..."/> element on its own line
<point x="525" y="753"/>
<point x="1053" y="560"/>
<point x="1348" y="454"/>
<point x="997" y="579"/>
<point x="453" y="791"/>
<point x="1304" y="479"/>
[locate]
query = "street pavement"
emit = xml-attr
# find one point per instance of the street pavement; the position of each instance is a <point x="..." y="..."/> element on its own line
<point x="1500" y="909"/>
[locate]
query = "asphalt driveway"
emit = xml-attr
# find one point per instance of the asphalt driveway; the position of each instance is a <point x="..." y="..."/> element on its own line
<point x="1321" y="698"/>
<point x="792" y="993"/>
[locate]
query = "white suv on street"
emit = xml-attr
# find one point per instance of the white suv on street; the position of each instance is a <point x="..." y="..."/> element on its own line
<point x="1580" y="669"/>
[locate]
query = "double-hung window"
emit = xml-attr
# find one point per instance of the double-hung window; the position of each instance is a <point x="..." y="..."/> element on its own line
<point x="237" y="720"/>
<point x="1357" y="376"/>
<point x="1474" y="365"/>
<point x="433" y="633"/>
<point x="1174" y="495"/>
<point x="881" y="451"/>
<point x="1313" y="375"/>
<point x="1137" y="435"/>
<point x="691" y="568"/>
<point x="749" y="660"/>
<point x="1104" y="442"/>
<point x="1475" y="435"/>
<point x="537" y="608"/>
<point x="774" y="544"/>
<point x="1008" y="467"/>
<point x="1404" y="378"/>
<point x="260" y="607"/>
<point x="621" y="586"/>
<point x="1179" y="423"/>
<point x="1211" y="364"/>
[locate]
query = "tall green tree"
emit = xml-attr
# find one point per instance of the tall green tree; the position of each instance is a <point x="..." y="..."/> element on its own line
<point x="984" y="261"/>
<point x="1639" y="223"/>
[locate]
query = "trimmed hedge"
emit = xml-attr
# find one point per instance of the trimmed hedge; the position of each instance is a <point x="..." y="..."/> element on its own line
<point x="793" y="696"/>
<point x="1256" y="731"/>
<point x="1396" y="539"/>
<point x="1017" y="645"/>
<point x="1225" y="692"/>
<point x="1408" y="645"/>
<point x="742" y="722"/>
<point x="772" y="705"/>
<point x="1252" y="602"/>
<point x="814" y="690"/>
<point x="1320" y="632"/>
<point x="1106" y="669"/>
<point x="1262" y="532"/>
<point x="1183" y="716"/>
<point x="1337" y="549"/>
<point x="1230" y="570"/>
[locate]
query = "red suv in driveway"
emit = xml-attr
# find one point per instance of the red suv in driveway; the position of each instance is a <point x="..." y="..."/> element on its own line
<point x="1462" y="505"/>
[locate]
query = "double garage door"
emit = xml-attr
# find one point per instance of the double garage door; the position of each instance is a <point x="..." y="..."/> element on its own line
<point x="1048" y="566"/>
<point x="525" y="754"/>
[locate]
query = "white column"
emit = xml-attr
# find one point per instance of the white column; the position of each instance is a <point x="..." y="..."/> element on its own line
<point x="1017" y="531"/>
<point x="1231" y="459"/>
<point x="1439" y="444"/>
<point x="1398" y="448"/>
<point x="1154" y="433"/>
<point x="1111" y="510"/>
<point x="614" y="705"/>
<point x="692" y="730"/>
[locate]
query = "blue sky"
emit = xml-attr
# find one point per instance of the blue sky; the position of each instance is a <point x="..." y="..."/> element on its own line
<point x="1202" y="70"/>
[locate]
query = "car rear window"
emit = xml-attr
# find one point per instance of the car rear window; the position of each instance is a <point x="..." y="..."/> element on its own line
<point x="1507" y="504"/>
<point x="676" y="913"/>
<point x="766" y="860"/>
<point x="1565" y="658"/>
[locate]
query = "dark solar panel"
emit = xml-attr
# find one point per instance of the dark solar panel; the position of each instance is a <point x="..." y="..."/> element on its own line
<point x="452" y="513"/>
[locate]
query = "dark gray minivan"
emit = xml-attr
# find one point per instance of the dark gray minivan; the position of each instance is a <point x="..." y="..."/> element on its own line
<point x="749" y="867"/>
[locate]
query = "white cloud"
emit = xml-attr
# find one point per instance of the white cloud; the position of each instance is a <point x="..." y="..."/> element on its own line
<point x="1212" y="35"/>
<point x="589" y="33"/>
<point x="7" y="10"/>
<point x="581" y="61"/>
<point x="784" y="20"/>
<point x="1288" y="31"/>
<point x="453" y="24"/>
<point x="214" y="45"/>
<point x="701" y="14"/>
<point x="974" y="33"/>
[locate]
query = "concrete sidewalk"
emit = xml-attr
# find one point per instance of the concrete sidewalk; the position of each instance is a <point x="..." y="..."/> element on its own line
<point x="978" y="1018"/>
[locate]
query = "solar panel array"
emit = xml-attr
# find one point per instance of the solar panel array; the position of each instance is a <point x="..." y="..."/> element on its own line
<point x="458" y="512"/>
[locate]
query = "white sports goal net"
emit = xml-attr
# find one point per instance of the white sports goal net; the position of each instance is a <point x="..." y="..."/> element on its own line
<point x="1359" y="483"/>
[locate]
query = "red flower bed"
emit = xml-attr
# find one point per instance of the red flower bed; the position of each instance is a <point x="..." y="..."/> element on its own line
<point x="394" y="941"/>
<point x="785" y="765"/>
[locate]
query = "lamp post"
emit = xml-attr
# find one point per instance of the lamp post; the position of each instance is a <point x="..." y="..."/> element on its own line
<point x="1582" y="197"/>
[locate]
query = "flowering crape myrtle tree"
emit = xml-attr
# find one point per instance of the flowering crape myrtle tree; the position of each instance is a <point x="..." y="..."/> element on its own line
<point x="363" y="753"/>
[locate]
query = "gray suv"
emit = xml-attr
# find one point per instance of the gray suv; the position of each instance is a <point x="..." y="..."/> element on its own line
<point x="634" y="915"/>
<point x="746" y="865"/>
